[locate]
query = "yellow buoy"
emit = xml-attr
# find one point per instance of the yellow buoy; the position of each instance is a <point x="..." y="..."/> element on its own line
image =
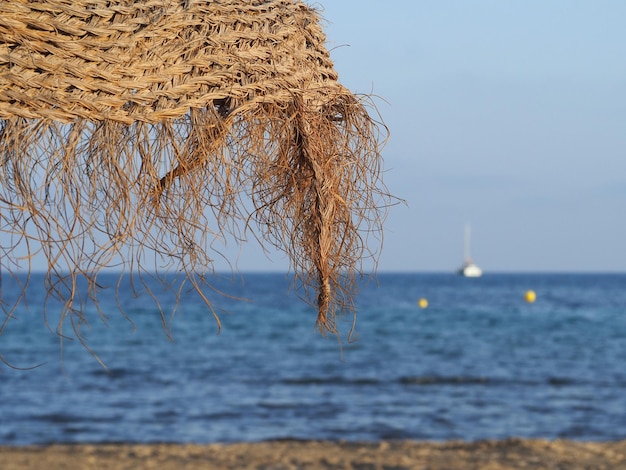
<point x="423" y="303"/>
<point x="530" y="296"/>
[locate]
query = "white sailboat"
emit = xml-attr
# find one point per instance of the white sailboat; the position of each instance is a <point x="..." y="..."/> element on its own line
<point x="469" y="269"/>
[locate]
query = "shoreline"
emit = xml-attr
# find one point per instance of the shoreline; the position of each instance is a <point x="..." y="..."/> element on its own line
<point x="509" y="453"/>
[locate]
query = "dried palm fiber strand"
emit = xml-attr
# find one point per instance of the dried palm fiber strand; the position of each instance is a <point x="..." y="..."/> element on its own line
<point x="131" y="129"/>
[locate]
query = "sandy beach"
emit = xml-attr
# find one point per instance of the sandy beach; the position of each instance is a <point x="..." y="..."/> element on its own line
<point x="292" y="455"/>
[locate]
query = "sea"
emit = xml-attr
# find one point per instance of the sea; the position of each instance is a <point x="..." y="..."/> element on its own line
<point x="479" y="362"/>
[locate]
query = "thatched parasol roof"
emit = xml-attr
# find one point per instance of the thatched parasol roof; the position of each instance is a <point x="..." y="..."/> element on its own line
<point x="134" y="128"/>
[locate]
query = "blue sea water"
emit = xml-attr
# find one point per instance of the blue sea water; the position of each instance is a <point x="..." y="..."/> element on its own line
<point x="478" y="363"/>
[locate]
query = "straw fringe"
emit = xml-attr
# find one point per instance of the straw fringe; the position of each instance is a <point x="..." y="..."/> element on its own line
<point x="131" y="128"/>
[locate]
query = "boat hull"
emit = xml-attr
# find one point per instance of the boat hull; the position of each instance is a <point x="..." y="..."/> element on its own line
<point x="470" y="270"/>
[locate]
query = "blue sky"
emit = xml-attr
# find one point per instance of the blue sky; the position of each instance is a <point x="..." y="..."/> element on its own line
<point x="509" y="115"/>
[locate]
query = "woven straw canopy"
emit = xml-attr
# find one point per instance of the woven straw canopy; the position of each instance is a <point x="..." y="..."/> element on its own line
<point x="139" y="135"/>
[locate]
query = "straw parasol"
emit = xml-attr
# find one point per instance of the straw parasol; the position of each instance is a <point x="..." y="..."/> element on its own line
<point x="137" y="135"/>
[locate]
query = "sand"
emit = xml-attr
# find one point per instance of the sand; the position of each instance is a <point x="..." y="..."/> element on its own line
<point x="292" y="455"/>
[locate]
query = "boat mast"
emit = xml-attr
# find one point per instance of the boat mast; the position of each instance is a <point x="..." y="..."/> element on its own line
<point x="466" y="249"/>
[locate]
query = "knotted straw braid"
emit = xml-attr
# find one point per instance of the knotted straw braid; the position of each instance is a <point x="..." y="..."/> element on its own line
<point x="135" y="128"/>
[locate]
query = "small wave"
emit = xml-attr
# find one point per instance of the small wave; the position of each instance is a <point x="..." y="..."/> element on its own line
<point x="80" y="430"/>
<point x="66" y="418"/>
<point x="115" y="373"/>
<point x="331" y="381"/>
<point x="167" y="414"/>
<point x="280" y="406"/>
<point x="562" y="381"/>
<point x="452" y="380"/>
<point x="459" y="380"/>
<point x="530" y="382"/>
<point x="225" y="415"/>
<point x="58" y="418"/>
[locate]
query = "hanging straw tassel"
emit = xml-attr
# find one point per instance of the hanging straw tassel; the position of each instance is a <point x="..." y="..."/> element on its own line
<point x="315" y="197"/>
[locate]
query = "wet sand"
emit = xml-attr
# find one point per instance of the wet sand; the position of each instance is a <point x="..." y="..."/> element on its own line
<point x="292" y="455"/>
